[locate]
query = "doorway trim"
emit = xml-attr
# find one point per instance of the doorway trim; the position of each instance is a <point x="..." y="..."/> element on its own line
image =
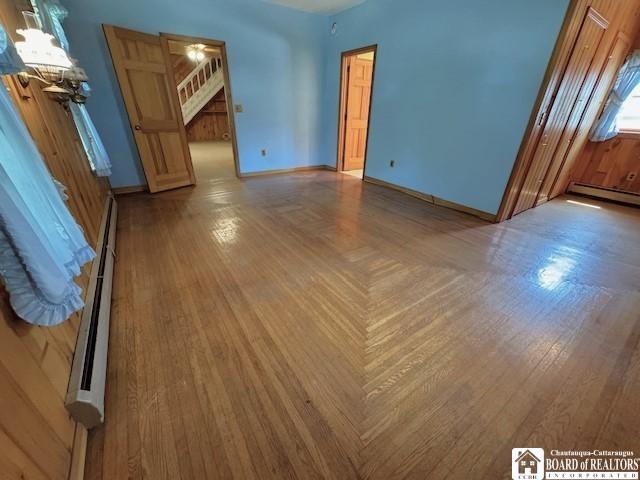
<point x="342" y="104"/>
<point x="227" y="86"/>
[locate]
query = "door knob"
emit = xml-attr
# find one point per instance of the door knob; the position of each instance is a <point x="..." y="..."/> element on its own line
<point x="137" y="127"/>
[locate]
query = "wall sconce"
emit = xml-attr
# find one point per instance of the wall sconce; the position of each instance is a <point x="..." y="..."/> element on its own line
<point x="48" y="63"/>
<point x="59" y="94"/>
<point x="72" y="79"/>
<point x="195" y="52"/>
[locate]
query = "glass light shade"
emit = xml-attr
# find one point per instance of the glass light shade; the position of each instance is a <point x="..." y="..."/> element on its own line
<point x="195" y="52"/>
<point x="38" y="51"/>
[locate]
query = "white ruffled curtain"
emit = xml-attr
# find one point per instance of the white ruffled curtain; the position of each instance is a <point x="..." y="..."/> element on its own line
<point x="628" y="79"/>
<point x="52" y="14"/>
<point x="41" y="246"/>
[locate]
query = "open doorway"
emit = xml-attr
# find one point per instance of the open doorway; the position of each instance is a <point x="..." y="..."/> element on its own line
<point x="145" y="72"/>
<point x="202" y="83"/>
<point x="356" y="90"/>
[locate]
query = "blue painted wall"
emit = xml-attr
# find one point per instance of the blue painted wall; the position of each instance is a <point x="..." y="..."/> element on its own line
<point x="455" y="84"/>
<point x="275" y="60"/>
<point x="456" y="81"/>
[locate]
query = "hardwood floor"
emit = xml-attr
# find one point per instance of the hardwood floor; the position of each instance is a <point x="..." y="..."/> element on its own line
<point x="312" y="326"/>
<point x="354" y="173"/>
<point x="212" y="161"/>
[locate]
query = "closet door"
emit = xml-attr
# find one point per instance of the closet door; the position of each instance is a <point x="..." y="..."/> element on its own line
<point x="556" y="183"/>
<point x="567" y="109"/>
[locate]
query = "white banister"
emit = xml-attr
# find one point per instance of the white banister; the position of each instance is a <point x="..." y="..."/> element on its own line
<point x="200" y="86"/>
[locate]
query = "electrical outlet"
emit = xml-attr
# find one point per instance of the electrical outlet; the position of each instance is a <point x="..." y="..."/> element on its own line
<point x="263" y="152"/>
<point x="392" y="163"/>
<point x="631" y="176"/>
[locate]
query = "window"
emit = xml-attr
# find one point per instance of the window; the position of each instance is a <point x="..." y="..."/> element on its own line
<point x="628" y="118"/>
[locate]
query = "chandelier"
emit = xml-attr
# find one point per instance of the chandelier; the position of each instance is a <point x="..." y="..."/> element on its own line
<point x="48" y="63"/>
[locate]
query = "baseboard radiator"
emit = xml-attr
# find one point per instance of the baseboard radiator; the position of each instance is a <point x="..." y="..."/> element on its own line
<point x="606" y="193"/>
<point x="85" y="395"/>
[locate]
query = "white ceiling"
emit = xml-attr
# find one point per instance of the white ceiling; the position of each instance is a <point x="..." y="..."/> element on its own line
<point x="325" y="7"/>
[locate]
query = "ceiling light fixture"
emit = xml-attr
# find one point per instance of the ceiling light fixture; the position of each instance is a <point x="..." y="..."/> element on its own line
<point x="195" y="52"/>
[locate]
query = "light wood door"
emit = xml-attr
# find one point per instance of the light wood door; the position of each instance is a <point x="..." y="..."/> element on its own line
<point x="144" y="71"/>
<point x="555" y="186"/>
<point x="567" y="109"/>
<point x="359" y="78"/>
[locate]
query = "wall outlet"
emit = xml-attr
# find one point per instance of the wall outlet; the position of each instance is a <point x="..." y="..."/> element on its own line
<point x="631" y="176"/>
<point x="263" y="152"/>
<point x="239" y="108"/>
<point x="392" y="163"/>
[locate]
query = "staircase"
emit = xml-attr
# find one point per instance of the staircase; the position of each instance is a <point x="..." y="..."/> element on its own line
<point x="200" y="86"/>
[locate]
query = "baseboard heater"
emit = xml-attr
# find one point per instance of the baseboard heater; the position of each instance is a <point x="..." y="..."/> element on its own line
<point x="606" y="193"/>
<point x="85" y="395"/>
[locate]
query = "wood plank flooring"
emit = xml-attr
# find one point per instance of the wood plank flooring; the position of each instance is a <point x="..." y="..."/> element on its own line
<point x="312" y="326"/>
<point x="212" y="160"/>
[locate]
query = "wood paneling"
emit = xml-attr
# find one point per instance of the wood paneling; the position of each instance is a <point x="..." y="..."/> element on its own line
<point x="212" y="122"/>
<point x="609" y="164"/>
<point x="145" y="74"/>
<point x="605" y="83"/>
<point x="566" y="109"/>
<point x="573" y="90"/>
<point x="588" y="84"/>
<point x="182" y="67"/>
<point x="36" y="433"/>
<point x="613" y="164"/>
<point x="313" y="326"/>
